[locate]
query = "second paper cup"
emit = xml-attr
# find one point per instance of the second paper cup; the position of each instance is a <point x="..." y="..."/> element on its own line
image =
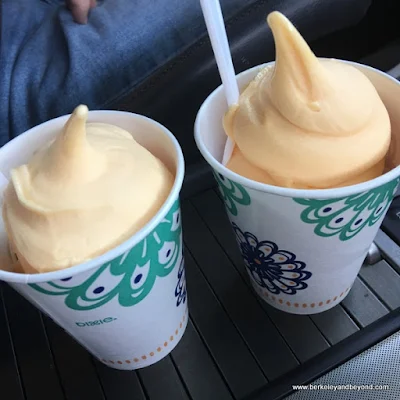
<point x="302" y="248"/>
<point x="127" y="307"/>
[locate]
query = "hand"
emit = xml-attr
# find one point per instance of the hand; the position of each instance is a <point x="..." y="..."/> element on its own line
<point x="80" y="9"/>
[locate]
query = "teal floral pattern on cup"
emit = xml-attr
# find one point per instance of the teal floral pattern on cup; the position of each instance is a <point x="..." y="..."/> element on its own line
<point x="347" y="216"/>
<point x="130" y="277"/>
<point x="232" y="193"/>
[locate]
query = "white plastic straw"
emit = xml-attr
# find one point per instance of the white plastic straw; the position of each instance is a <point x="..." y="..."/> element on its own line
<point x="219" y="41"/>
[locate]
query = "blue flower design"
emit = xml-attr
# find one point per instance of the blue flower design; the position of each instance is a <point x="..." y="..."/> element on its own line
<point x="180" y="290"/>
<point x="276" y="270"/>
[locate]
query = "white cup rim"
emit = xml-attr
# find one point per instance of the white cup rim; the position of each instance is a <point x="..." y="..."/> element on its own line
<point x="126" y="245"/>
<point x="282" y="191"/>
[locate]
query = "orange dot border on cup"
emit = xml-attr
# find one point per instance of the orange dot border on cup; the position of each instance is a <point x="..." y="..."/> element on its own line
<point x="158" y="349"/>
<point x="289" y="304"/>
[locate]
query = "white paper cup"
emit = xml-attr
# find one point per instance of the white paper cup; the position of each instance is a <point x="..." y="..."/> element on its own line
<point x="302" y="248"/>
<point x="127" y="307"/>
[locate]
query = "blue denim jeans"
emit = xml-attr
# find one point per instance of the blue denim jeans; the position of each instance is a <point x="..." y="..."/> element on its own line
<point x="49" y="64"/>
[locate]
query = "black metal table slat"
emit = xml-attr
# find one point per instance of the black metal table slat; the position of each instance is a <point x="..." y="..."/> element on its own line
<point x="300" y="333"/>
<point x="35" y="361"/>
<point x="362" y="304"/>
<point x="75" y="365"/>
<point x="261" y="335"/>
<point x="161" y="381"/>
<point x="9" y="374"/>
<point x="211" y="209"/>
<point x="197" y="368"/>
<point x="335" y="324"/>
<point x="118" y="385"/>
<point x="384" y="281"/>
<point x="220" y="335"/>
<point x="389" y="249"/>
<point x="391" y="223"/>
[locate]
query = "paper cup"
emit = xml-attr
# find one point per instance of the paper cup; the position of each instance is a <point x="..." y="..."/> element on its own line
<point x="127" y="307"/>
<point x="302" y="248"/>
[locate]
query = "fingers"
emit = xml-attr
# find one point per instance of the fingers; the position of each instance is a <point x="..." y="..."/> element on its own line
<point x="80" y="9"/>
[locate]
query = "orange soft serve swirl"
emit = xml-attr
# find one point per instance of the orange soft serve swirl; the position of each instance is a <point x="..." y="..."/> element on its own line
<point x="86" y="192"/>
<point x="307" y="122"/>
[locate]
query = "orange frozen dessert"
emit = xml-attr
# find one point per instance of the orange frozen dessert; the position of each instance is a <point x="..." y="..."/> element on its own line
<point x="81" y="195"/>
<point x="307" y="122"/>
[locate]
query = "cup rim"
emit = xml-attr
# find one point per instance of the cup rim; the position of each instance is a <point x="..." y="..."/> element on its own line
<point x="15" y="277"/>
<point x="283" y="191"/>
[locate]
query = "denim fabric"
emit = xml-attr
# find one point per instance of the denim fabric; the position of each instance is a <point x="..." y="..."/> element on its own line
<point x="49" y="64"/>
